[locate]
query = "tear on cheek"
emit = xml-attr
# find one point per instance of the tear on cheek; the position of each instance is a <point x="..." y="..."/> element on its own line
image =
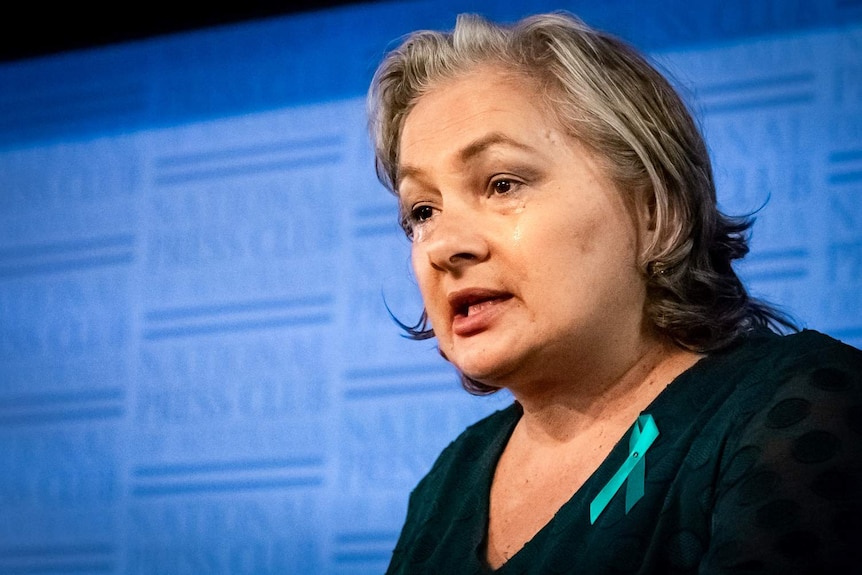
<point x="419" y="234"/>
<point x="516" y="235"/>
<point x="519" y="207"/>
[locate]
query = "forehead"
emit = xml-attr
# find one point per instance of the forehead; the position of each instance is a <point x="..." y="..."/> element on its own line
<point x="460" y="110"/>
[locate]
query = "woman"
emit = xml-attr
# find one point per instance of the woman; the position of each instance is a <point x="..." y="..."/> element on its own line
<point x="567" y="246"/>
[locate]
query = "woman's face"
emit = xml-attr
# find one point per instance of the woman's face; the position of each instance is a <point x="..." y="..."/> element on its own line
<point x="524" y="251"/>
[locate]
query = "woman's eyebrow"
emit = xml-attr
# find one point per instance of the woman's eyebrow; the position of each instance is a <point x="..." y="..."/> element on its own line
<point x="407" y="171"/>
<point x="481" y="145"/>
<point x="466" y="154"/>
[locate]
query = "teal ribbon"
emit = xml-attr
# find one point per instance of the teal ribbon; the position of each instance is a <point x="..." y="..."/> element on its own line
<point x="633" y="469"/>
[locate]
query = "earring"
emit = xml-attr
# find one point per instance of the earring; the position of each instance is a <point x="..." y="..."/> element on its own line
<point x="655" y="269"/>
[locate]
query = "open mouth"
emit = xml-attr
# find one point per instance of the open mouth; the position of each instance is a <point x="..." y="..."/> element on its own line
<point x="468" y="303"/>
<point x="475" y="308"/>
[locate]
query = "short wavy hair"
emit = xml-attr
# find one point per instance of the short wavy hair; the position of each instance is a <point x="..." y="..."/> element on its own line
<point x="610" y="98"/>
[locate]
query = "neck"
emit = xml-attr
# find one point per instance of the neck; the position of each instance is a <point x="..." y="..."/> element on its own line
<point x="556" y="411"/>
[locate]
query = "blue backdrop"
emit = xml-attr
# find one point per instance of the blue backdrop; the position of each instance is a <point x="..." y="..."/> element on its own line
<point x="197" y="370"/>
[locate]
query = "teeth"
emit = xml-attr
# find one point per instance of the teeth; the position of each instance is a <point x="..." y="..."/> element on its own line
<point x="476" y="306"/>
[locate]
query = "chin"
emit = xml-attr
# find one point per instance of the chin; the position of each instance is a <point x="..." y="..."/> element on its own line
<point x="486" y="372"/>
<point x="492" y="360"/>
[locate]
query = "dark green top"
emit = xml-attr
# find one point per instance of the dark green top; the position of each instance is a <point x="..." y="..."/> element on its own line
<point x="757" y="469"/>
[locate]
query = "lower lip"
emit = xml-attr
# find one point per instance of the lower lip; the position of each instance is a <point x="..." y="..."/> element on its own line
<point x="467" y="325"/>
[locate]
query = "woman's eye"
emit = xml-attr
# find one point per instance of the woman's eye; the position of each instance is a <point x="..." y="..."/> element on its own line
<point x="421" y="213"/>
<point x="502" y="186"/>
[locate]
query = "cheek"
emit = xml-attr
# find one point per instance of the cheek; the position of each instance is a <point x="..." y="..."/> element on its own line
<point x="576" y="252"/>
<point x="419" y="271"/>
<point x="559" y="238"/>
<point x="424" y="277"/>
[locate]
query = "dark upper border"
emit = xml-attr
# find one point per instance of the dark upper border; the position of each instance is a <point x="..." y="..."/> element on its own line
<point x="37" y="29"/>
<point x="291" y="59"/>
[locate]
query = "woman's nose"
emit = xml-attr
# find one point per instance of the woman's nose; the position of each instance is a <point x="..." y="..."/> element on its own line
<point x="457" y="241"/>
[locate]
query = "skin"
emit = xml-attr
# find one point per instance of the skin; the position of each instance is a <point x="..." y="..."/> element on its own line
<point x="526" y="257"/>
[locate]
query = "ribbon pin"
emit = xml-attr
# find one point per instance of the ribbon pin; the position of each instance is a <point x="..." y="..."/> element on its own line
<point x="633" y="469"/>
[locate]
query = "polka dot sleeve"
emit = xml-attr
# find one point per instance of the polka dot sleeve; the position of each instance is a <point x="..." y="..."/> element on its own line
<point x="789" y="495"/>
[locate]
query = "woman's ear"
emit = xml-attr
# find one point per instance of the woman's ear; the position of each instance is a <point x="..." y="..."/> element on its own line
<point x="646" y="219"/>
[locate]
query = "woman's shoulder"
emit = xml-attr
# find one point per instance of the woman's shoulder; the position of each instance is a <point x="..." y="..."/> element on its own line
<point x="775" y="358"/>
<point x="766" y="375"/>
<point x="808" y="342"/>
<point x="461" y="468"/>
<point x="823" y="358"/>
<point x="783" y="374"/>
<point x="803" y="340"/>
<point x="477" y="442"/>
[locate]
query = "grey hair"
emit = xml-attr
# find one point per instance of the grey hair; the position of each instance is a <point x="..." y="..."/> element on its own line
<point x="609" y="97"/>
